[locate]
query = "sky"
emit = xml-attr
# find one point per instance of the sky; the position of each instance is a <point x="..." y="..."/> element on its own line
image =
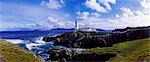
<point x="49" y="14"/>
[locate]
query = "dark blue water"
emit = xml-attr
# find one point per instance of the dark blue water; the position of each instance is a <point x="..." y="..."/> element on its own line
<point x="28" y="35"/>
<point x="30" y="40"/>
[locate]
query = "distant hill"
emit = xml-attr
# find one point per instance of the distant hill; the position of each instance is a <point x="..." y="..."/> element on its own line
<point x="63" y="29"/>
<point x="72" y="29"/>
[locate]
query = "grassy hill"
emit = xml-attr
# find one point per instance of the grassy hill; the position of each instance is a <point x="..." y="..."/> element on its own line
<point x="12" y="53"/>
<point x="129" y="51"/>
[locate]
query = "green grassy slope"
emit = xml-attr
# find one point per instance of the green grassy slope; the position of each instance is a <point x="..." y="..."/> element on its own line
<point x="129" y="51"/>
<point x="12" y="53"/>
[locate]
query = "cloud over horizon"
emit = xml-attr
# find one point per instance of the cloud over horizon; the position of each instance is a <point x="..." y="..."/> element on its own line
<point x="49" y="14"/>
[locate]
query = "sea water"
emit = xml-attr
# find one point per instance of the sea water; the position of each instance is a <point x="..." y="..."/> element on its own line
<point x="32" y="40"/>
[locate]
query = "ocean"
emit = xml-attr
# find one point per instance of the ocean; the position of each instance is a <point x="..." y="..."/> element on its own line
<point x="28" y="35"/>
<point x="32" y="40"/>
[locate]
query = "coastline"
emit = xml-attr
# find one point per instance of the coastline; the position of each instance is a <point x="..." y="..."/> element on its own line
<point x="73" y="44"/>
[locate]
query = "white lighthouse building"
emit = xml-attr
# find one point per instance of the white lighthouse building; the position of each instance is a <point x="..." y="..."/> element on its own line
<point x="76" y="25"/>
<point x="86" y="28"/>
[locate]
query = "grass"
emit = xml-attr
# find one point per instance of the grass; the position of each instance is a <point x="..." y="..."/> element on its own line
<point x="129" y="51"/>
<point x="12" y="53"/>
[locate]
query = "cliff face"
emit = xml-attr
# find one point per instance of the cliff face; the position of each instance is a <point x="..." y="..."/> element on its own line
<point x="12" y="53"/>
<point x="80" y="39"/>
<point x="125" y="45"/>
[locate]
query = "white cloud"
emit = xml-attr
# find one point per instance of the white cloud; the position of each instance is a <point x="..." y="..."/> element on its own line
<point x="60" y="23"/>
<point x="127" y="18"/>
<point x="50" y="24"/>
<point x="95" y="14"/>
<point x="48" y="19"/>
<point x="95" y="5"/>
<point x="92" y="4"/>
<point x="133" y="21"/>
<point x="22" y="17"/>
<point x="83" y="15"/>
<point x="145" y="4"/>
<point x="134" y="18"/>
<point x="52" y="19"/>
<point x="53" y="4"/>
<point x="117" y="15"/>
<point x="55" y="22"/>
<point x="107" y="3"/>
<point x="138" y="12"/>
<point x="121" y="22"/>
<point x="126" y="12"/>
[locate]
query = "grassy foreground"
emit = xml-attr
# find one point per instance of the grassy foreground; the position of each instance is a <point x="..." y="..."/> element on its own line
<point x="12" y="53"/>
<point x="129" y="51"/>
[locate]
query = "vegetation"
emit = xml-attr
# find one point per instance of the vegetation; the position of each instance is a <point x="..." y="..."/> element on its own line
<point x="12" y="53"/>
<point x="129" y="51"/>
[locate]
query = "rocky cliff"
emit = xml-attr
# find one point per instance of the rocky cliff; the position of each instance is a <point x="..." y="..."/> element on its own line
<point x="79" y="39"/>
<point x="125" y="45"/>
<point x="129" y="51"/>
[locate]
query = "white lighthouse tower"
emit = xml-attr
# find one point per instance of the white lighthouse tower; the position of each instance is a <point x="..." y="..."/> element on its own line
<point x="87" y="28"/>
<point x="76" y="25"/>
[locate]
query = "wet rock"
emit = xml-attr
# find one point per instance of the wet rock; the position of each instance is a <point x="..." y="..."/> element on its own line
<point x="48" y="39"/>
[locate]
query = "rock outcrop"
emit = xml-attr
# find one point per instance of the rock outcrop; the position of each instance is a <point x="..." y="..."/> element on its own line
<point x="111" y="45"/>
<point x="80" y="39"/>
<point x="62" y="54"/>
<point x="129" y="51"/>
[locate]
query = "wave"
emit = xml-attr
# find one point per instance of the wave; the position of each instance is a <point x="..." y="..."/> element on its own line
<point x="14" y="41"/>
<point x="38" y="46"/>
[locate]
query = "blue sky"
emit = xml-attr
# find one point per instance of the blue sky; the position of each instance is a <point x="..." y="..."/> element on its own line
<point x="49" y="14"/>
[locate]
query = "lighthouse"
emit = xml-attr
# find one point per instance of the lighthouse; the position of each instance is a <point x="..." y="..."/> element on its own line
<point x="76" y="25"/>
<point x="86" y="28"/>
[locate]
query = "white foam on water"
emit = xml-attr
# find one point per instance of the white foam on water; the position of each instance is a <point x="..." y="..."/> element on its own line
<point x="39" y="40"/>
<point x="15" y="41"/>
<point x="30" y="46"/>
